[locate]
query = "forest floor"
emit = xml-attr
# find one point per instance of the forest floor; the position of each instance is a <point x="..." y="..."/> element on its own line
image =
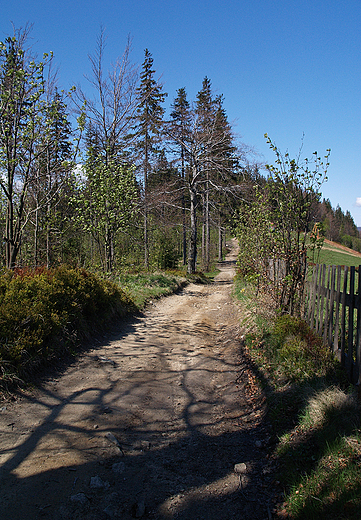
<point x="160" y="420"/>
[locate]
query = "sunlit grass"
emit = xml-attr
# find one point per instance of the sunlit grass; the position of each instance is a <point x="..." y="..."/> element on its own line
<point x="334" y="255"/>
<point x="144" y="287"/>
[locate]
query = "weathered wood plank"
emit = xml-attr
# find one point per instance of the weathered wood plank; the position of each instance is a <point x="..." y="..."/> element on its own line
<point x="349" y="359"/>
<point x="343" y="315"/>
<point x="336" y="349"/>
<point x="327" y="305"/>
<point x="331" y="308"/>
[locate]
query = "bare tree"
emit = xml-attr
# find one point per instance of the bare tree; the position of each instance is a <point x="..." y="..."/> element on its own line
<point x="111" y="109"/>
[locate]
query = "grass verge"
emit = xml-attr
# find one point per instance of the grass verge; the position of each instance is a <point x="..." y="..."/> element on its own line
<point x="145" y="287"/>
<point x="314" y="414"/>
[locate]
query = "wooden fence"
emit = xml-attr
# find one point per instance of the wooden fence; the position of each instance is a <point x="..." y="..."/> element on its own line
<point x="333" y="310"/>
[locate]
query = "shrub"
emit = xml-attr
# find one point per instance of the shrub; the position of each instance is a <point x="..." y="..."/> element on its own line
<point x="45" y="312"/>
<point x="299" y="350"/>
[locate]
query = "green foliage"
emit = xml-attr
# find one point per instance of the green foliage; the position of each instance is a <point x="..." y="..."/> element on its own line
<point x="315" y="418"/>
<point x="337" y="225"/>
<point x="45" y="312"/>
<point x="106" y="204"/>
<point x="296" y="350"/>
<point x="255" y="235"/>
<point x="165" y="249"/>
<point x="143" y="287"/>
<point x="276" y="227"/>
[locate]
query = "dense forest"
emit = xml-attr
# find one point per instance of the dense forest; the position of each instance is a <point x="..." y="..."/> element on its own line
<point x="99" y="177"/>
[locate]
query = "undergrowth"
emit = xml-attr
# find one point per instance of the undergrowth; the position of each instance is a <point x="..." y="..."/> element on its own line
<point x="314" y="413"/>
<point x="47" y="314"/>
<point x="144" y="287"/>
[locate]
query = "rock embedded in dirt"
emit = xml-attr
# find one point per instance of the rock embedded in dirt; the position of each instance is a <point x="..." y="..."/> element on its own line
<point x="240" y="468"/>
<point x="112" y="438"/>
<point x="118" y="467"/>
<point x="80" y="499"/>
<point x="97" y="483"/>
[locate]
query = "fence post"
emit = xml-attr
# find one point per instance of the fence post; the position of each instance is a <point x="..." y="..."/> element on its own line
<point x="358" y="334"/>
<point x="335" y="349"/>
<point x="320" y="302"/>
<point x="327" y="306"/>
<point x="343" y="315"/>
<point x="349" y="360"/>
<point x="331" y="307"/>
<point x="312" y="298"/>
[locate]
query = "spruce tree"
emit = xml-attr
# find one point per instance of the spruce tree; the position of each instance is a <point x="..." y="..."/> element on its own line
<point x="206" y="112"/>
<point x="181" y="121"/>
<point x="148" y="131"/>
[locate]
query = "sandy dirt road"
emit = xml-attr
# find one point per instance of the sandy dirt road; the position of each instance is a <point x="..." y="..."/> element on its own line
<point x="148" y="424"/>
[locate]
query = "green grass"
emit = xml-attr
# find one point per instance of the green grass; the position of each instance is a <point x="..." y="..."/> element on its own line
<point x="144" y="287"/>
<point x="329" y="256"/>
<point x="313" y="411"/>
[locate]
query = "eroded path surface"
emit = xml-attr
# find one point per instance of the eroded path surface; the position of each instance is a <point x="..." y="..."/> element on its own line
<point x="149" y="424"/>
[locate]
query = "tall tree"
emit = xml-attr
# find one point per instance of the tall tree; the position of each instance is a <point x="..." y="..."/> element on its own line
<point x="105" y="204"/>
<point x="148" y="131"/>
<point x="21" y="112"/>
<point x="111" y="109"/>
<point x="51" y="174"/>
<point x="181" y="121"/>
<point x="205" y="109"/>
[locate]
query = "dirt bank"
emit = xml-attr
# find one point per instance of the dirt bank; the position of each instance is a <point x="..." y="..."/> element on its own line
<point x="157" y="422"/>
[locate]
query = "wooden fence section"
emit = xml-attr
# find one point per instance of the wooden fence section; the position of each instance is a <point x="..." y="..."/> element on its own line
<point x="333" y="310"/>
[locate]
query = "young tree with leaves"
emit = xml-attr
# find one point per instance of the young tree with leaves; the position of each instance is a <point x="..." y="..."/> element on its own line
<point x="22" y="87"/>
<point x="105" y="204"/>
<point x="284" y="230"/>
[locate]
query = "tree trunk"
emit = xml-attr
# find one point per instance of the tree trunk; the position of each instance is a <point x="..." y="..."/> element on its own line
<point x="220" y="241"/>
<point x="208" y="238"/>
<point x="192" y="255"/>
<point x="203" y="232"/>
<point x="146" y="245"/>
<point x="184" y="213"/>
<point x="36" y="232"/>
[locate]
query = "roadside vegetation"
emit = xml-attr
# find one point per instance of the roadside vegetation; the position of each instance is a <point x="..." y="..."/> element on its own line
<point x="314" y="413"/>
<point x="46" y="314"/>
<point x="315" y="453"/>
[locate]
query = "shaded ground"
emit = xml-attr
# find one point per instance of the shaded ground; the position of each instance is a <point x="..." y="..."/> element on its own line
<point x="149" y="424"/>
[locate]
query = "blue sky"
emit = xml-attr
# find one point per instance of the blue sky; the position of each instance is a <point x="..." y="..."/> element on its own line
<point x="285" y="68"/>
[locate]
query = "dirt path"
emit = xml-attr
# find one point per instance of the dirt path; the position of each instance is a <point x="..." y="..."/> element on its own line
<point x="150" y="424"/>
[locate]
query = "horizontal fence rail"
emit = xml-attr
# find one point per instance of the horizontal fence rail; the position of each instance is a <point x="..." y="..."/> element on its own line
<point x="333" y="309"/>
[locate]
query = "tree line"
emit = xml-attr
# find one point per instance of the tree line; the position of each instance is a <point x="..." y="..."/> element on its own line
<point x="124" y="186"/>
<point x="100" y="177"/>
